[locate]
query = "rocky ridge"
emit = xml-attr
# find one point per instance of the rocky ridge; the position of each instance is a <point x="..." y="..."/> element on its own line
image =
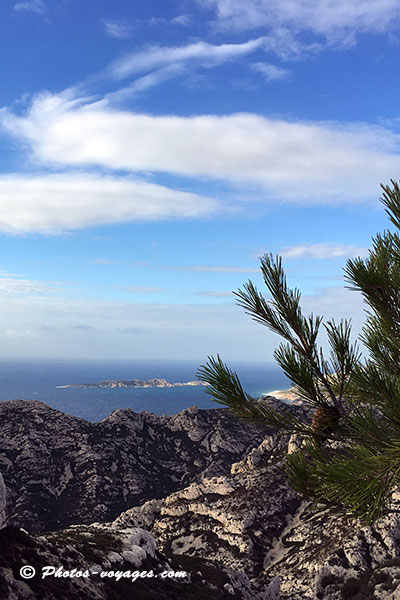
<point x="239" y="531"/>
<point x="61" y="470"/>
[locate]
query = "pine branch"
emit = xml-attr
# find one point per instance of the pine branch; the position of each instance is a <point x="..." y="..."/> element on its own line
<point x="356" y="479"/>
<point x="362" y="481"/>
<point x="282" y="314"/>
<point x="391" y="199"/>
<point x="344" y="356"/>
<point x="301" y="373"/>
<point x="225" y="388"/>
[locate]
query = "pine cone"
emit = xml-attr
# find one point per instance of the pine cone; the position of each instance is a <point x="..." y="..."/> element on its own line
<point x="325" y="421"/>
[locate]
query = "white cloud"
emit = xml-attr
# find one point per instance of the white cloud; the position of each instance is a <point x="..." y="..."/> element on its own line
<point x="155" y="57"/>
<point x="117" y="29"/>
<point x="36" y="6"/>
<point x="323" y="251"/>
<point x="304" y="162"/>
<point x="55" y="203"/>
<point x="271" y="72"/>
<point x="339" y="21"/>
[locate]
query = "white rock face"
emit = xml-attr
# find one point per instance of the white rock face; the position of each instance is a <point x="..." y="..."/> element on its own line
<point x="3" y="521"/>
<point x="252" y="522"/>
<point x="295" y="443"/>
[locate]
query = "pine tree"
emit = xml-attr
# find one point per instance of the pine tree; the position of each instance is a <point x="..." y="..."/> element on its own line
<point x="350" y="456"/>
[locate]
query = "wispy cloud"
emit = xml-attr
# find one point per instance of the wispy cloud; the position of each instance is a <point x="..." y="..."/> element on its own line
<point x="117" y="28"/>
<point x="144" y="69"/>
<point x="302" y="162"/>
<point x="323" y="251"/>
<point x="216" y="294"/>
<point x="36" y="6"/>
<point x="23" y="287"/>
<point x="204" y="53"/>
<point x="271" y="72"/>
<point x="142" y="84"/>
<point x="55" y="203"/>
<point x="336" y="24"/>
<point x="183" y="20"/>
<point x="156" y="64"/>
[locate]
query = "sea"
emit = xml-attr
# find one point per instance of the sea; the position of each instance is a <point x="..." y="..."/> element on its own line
<point x="39" y="380"/>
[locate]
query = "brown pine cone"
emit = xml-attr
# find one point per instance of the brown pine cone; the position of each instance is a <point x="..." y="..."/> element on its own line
<point x="325" y="421"/>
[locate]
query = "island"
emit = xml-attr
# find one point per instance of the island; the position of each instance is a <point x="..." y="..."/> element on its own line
<point x="132" y="383"/>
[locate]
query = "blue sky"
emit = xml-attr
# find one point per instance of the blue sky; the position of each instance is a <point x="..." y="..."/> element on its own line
<point x="151" y="152"/>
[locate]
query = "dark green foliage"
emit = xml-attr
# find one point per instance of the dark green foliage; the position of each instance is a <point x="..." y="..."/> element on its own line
<point x="350" y="457"/>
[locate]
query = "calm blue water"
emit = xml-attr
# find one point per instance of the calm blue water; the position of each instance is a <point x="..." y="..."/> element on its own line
<point x="38" y="380"/>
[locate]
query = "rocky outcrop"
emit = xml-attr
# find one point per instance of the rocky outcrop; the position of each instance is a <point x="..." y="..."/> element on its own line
<point x="60" y="470"/>
<point x="105" y="561"/>
<point x="250" y="520"/>
<point x="223" y="512"/>
<point x="236" y="517"/>
<point x="326" y="557"/>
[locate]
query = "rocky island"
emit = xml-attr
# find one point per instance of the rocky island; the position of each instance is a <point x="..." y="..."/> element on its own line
<point x="132" y="383"/>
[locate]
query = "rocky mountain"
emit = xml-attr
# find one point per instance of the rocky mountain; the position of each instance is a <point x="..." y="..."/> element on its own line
<point x="232" y="522"/>
<point x="60" y="470"/>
